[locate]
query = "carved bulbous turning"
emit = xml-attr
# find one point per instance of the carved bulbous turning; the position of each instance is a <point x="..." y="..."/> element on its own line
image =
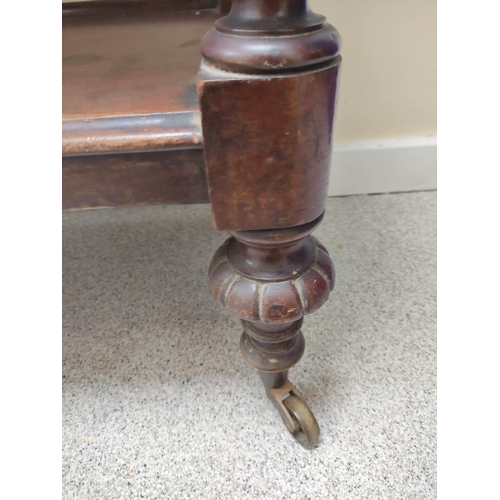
<point x="272" y="276"/>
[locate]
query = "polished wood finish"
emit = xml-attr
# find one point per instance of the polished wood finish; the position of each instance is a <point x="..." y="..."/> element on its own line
<point x="270" y="279"/>
<point x="134" y="179"/>
<point x="272" y="276"/>
<point x="268" y="146"/>
<point x="267" y="117"/>
<point x="121" y="134"/>
<point x="267" y="91"/>
<point x="112" y="6"/>
<point x="270" y="36"/>
<point x="124" y="73"/>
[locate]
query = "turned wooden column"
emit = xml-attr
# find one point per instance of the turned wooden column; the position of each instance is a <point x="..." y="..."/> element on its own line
<point x="267" y="90"/>
<point x="269" y="36"/>
<point x="271" y="279"/>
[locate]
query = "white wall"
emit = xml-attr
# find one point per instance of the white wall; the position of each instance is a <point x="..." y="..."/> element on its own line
<point x="385" y="130"/>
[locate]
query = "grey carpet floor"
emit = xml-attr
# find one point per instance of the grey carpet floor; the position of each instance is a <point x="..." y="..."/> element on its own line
<point x="159" y="404"/>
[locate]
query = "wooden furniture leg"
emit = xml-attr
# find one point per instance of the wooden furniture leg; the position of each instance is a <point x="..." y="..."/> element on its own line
<point x="250" y="132"/>
<point x="271" y="279"/>
<point x="267" y="92"/>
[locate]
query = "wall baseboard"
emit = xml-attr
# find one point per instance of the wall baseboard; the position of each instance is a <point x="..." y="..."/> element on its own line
<point x="383" y="166"/>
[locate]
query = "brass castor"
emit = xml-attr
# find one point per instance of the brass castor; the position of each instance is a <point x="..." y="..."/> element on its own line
<point x="296" y="415"/>
<point x="306" y="431"/>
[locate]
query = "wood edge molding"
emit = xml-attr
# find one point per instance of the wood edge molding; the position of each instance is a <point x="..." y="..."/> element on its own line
<point x="131" y="133"/>
<point x="111" y="7"/>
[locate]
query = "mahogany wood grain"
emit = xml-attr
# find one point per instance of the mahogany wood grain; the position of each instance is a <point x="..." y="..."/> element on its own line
<point x="268" y="146"/>
<point x="270" y="36"/>
<point x="134" y="179"/>
<point x="267" y="91"/>
<point x="131" y="68"/>
<point x="165" y="131"/>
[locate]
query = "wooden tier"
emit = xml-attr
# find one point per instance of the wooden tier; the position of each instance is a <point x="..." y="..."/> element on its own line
<point x="129" y="78"/>
<point x="131" y="120"/>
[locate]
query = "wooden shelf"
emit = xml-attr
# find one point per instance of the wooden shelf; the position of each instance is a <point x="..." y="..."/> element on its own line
<point x="129" y="79"/>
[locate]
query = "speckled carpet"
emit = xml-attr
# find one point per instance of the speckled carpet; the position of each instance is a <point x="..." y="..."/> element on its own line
<point x="159" y="404"/>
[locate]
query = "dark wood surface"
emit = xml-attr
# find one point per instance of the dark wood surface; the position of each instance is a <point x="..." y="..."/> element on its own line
<point x="272" y="276"/>
<point x="126" y="70"/>
<point x="268" y="147"/>
<point x="111" y="6"/>
<point x="270" y="36"/>
<point x="267" y="113"/>
<point x="134" y="179"/>
<point x="121" y="134"/>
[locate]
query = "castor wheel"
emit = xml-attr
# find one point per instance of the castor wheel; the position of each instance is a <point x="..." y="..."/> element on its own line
<point x="296" y="415"/>
<point x="306" y="431"/>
